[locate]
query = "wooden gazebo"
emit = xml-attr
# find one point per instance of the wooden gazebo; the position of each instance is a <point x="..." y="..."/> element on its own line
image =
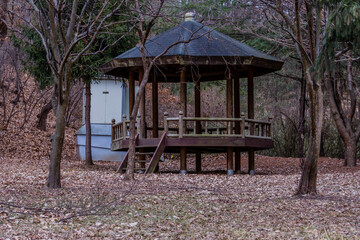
<point x="209" y="56"/>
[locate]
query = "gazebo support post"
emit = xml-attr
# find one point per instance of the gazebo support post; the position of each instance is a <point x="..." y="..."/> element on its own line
<point x="251" y="115"/>
<point x="229" y="106"/>
<point x="198" y="123"/>
<point x="142" y="107"/>
<point x="131" y="91"/>
<point x="142" y="118"/>
<point x="155" y="110"/>
<point x="237" y="124"/>
<point x="183" y="108"/>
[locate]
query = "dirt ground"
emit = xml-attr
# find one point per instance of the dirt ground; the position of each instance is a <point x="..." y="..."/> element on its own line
<point x="95" y="203"/>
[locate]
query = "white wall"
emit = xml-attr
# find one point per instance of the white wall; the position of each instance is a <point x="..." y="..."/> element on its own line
<point x="106" y="101"/>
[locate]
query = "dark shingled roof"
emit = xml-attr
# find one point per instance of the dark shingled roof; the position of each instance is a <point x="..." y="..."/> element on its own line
<point x="205" y="47"/>
<point x="207" y="42"/>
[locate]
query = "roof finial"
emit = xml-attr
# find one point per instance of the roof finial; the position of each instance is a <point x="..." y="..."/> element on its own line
<point x="190" y="16"/>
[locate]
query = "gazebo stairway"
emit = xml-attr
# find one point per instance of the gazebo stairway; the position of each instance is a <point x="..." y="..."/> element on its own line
<point x="145" y="162"/>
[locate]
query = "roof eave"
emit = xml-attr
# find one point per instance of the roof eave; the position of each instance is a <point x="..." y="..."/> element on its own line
<point x="272" y="65"/>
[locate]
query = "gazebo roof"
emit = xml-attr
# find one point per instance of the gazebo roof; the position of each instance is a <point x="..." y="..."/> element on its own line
<point x="210" y="51"/>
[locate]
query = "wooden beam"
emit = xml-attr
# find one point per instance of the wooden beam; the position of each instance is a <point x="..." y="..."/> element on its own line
<point x="229" y="114"/>
<point x="155" y="110"/>
<point x="197" y="100"/>
<point x="183" y="160"/>
<point x="229" y="97"/>
<point x="237" y="124"/>
<point x="142" y="119"/>
<point x="251" y="115"/>
<point x="131" y="91"/>
<point x="142" y="106"/>
<point x="206" y="143"/>
<point x="230" y="161"/>
<point x="183" y="108"/>
<point x="251" y="161"/>
<point x="183" y="91"/>
<point x="155" y="107"/>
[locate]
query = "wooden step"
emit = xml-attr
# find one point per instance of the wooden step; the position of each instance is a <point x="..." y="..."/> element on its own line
<point x="139" y="169"/>
<point x="144" y="153"/>
<point x="142" y="161"/>
<point x="157" y="154"/>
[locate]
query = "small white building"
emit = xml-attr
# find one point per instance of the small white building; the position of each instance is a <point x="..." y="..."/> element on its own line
<point x="109" y="100"/>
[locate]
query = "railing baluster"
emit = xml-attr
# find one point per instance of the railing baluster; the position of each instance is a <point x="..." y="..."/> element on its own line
<point x="270" y="127"/>
<point x="194" y="130"/>
<point x="166" y="126"/>
<point x="217" y="127"/>
<point x="181" y="124"/>
<point x="206" y="127"/>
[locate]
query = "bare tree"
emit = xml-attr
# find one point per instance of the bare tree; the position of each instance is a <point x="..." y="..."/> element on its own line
<point x="343" y="98"/>
<point x="145" y="15"/>
<point x="68" y="30"/>
<point x="88" y="155"/>
<point x="302" y="22"/>
<point x="144" y="27"/>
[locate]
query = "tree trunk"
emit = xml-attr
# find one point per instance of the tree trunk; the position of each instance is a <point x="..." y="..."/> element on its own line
<point x="3" y="26"/>
<point x="88" y="155"/>
<point x="42" y="116"/>
<point x="56" y="147"/>
<point x="301" y="128"/>
<point x="343" y="122"/>
<point x="350" y="152"/>
<point x="307" y="183"/>
<point x="61" y="101"/>
<point x="131" y="159"/>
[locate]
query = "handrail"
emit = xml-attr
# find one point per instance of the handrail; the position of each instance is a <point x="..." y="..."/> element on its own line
<point x="224" y="127"/>
<point x="209" y="127"/>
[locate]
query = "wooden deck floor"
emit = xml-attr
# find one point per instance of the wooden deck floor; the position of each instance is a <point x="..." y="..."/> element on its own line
<point x="204" y="144"/>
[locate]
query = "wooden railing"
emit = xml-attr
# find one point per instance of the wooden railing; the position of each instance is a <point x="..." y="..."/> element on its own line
<point x="120" y="131"/>
<point x="201" y="127"/>
<point x="217" y="127"/>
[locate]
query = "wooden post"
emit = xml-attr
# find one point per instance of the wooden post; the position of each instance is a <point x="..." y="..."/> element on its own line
<point x="251" y="115"/>
<point x="197" y="123"/>
<point x="142" y="107"/>
<point x="124" y="126"/>
<point x="112" y="129"/>
<point x="131" y="91"/>
<point x="155" y="107"/>
<point x="270" y="127"/>
<point x="183" y="108"/>
<point x="237" y="123"/>
<point x="229" y="156"/>
<point x="142" y="126"/>
<point x="229" y="106"/>
<point x="251" y="161"/>
<point x="183" y="160"/>
<point x="155" y="110"/>
<point x="183" y="91"/>
<point x="242" y="129"/>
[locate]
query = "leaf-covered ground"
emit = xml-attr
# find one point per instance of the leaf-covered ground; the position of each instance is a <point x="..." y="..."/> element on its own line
<point x="96" y="203"/>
